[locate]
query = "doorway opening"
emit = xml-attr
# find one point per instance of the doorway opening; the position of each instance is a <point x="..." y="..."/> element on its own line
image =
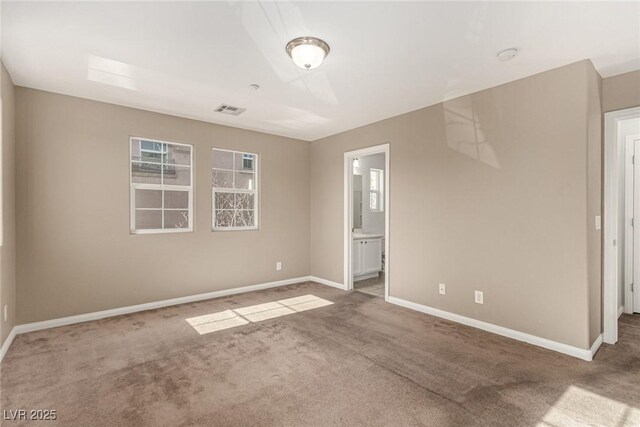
<point x="622" y="218"/>
<point x="366" y="220"/>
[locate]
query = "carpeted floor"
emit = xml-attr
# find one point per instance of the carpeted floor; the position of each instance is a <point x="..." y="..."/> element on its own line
<point x="358" y="361"/>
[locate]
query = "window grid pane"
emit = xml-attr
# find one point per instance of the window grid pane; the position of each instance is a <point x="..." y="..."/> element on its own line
<point x="173" y="218"/>
<point x="373" y="201"/>
<point x="148" y="219"/>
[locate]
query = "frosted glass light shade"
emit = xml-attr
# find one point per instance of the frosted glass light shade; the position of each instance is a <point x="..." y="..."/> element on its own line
<point x="307" y="52"/>
<point x="307" y="56"/>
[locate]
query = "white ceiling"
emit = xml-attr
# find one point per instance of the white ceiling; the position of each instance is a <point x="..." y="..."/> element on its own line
<point x="386" y="58"/>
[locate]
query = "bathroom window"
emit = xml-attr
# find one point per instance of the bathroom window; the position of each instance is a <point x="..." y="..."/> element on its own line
<point x="161" y="181"/>
<point x="234" y="179"/>
<point x="247" y="161"/>
<point x="376" y="194"/>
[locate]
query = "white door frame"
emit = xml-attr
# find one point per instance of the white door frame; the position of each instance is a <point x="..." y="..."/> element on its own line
<point x="634" y="297"/>
<point x="629" y="197"/>
<point x="348" y="212"/>
<point x="613" y="143"/>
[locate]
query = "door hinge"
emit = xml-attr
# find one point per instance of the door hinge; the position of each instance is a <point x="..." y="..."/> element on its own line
<point x="633" y="159"/>
<point x="632" y="287"/>
<point x="632" y="222"/>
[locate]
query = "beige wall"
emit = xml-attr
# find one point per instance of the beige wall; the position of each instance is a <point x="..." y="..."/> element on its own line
<point x="594" y="200"/>
<point x="75" y="253"/>
<point x="8" y="250"/>
<point x="621" y="91"/>
<point x="497" y="182"/>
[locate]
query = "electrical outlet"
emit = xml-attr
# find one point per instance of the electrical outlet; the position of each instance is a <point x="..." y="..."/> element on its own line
<point x="278" y="266"/>
<point x="5" y="312"/>
<point x="442" y="289"/>
<point x="479" y="297"/>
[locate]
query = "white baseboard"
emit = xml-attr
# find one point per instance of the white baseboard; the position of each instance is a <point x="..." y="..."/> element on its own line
<point x="620" y="310"/>
<point x="37" y="326"/>
<point x="327" y="282"/>
<point x="596" y="345"/>
<point x="500" y="330"/>
<point x="7" y="343"/>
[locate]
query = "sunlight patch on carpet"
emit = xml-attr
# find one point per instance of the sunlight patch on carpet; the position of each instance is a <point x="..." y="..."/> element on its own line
<point x="580" y="407"/>
<point x="255" y="313"/>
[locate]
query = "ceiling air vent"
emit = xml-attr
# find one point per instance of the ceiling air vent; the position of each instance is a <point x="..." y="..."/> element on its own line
<point x="230" y="109"/>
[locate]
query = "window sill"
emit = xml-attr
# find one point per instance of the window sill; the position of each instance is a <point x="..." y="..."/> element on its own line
<point x="235" y="229"/>
<point x="163" y="231"/>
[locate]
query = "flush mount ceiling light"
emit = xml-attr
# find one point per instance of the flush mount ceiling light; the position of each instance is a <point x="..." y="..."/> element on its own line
<point x="507" y="54"/>
<point x="308" y="52"/>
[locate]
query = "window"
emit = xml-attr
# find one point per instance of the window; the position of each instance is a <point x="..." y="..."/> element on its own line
<point x="234" y="179"/>
<point x="376" y="194"/>
<point x="161" y="186"/>
<point x="247" y="162"/>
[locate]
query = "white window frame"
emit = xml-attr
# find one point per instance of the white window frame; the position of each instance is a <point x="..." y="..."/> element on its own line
<point x="138" y="186"/>
<point x="255" y="192"/>
<point x="379" y="192"/>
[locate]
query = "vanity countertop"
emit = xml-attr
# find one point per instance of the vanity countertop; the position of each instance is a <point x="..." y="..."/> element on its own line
<point x="360" y="236"/>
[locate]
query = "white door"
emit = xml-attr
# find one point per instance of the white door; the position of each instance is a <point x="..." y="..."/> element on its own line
<point x="356" y="257"/>
<point x="627" y="250"/>
<point x="372" y="258"/>
<point x="636" y="228"/>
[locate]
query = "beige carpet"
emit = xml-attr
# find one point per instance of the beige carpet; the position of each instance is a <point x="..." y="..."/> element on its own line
<point x="358" y="361"/>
